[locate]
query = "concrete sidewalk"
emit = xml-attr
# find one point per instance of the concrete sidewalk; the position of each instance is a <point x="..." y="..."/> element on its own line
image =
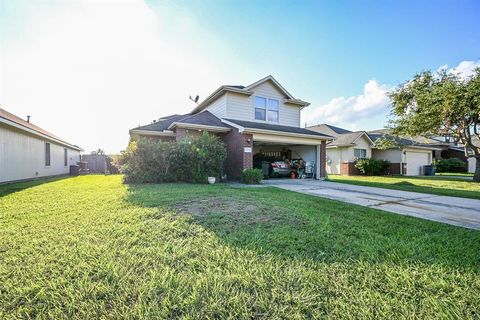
<point x="452" y="210"/>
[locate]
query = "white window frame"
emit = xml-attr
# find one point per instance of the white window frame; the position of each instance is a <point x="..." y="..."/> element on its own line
<point x="361" y="150"/>
<point x="266" y="109"/>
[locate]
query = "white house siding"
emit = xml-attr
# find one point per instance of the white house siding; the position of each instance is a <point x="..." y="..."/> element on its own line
<point x="333" y="160"/>
<point x="307" y="153"/>
<point x="241" y="106"/>
<point x="415" y="160"/>
<point x="219" y="107"/>
<point x="472" y="162"/>
<point x="22" y="156"/>
<point x="348" y="154"/>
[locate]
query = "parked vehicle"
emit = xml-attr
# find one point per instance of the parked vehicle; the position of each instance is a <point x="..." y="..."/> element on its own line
<point x="280" y="168"/>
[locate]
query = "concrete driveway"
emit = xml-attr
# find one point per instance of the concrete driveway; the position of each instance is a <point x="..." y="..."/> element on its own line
<point x="452" y="210"/>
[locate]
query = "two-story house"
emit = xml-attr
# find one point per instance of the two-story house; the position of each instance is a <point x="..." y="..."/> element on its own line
<point x="261" y="118"/>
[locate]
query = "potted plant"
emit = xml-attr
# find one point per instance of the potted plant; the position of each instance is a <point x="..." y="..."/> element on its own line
<point x="211" y="180"/>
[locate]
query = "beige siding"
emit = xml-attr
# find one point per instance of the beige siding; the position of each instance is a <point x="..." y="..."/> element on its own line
<point x="241" y="107"/>
<point x="219" y="107"/>
<point x="22" y="156"/>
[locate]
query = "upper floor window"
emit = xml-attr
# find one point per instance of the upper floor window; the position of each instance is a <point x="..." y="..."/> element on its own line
<point x="360" y="153"/>
<point x="266" y="109"/>
<point x="47" y="154"/>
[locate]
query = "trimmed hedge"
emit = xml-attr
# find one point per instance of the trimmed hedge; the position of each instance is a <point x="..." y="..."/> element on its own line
<point x="372" y="167"/>
<point x="450" y="165"/>
<point x="190" y="160"/>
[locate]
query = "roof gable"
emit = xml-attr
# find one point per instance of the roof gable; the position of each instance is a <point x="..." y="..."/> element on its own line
<point x="272" y="80"/>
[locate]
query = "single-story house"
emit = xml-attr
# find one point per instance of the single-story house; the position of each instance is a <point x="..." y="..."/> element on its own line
<point x="28" y="151"/>
<point x="262" y="118"/>
<point x="408" y="157"/>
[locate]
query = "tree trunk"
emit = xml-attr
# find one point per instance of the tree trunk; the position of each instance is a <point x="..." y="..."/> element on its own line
<point x="476" y="176"/>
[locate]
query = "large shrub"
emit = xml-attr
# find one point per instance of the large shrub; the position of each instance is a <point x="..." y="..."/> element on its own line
<point x="189" y="160"/>
<point x="450" y="165"/>
<point x="251" y="176"/>
<point x="372" y="167"/>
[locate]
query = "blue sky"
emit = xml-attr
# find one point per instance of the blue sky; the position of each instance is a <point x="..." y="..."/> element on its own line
<point x="124" y="63"/>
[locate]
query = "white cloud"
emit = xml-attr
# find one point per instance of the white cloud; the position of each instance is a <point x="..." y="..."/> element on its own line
<point x="350" y="111"/>
<point x="465" y="69"/>
<point x="370" y="109"/>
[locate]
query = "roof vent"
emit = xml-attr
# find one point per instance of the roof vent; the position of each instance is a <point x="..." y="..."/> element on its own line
<point x="28" y="119"/>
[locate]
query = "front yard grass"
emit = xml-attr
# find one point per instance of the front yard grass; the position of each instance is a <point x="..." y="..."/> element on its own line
<point x="91" y="247"/>
<point x="443" y="186"/>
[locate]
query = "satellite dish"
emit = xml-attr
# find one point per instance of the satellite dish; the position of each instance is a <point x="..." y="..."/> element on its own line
<point x="196" y="99"/>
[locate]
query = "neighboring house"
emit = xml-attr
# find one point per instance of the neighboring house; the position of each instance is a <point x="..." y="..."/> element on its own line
<point x="408" y="158"/>
<point x="27" y="151"/>
<point x="259" y="119"/>
<point x="345" y="149"/>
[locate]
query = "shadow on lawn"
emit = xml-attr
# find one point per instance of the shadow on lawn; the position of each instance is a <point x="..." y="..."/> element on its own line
<point x="298" y="226"/>
<point x="8" y="188"/>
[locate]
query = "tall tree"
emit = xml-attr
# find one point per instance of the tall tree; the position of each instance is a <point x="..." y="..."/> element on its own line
<point x="440" y="103"/>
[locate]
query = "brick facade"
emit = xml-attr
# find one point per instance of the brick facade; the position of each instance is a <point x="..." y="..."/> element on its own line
<point x="237" y="158"/>
<point x="323" y="159"/>
<point x="348" y="169"/>
<point x="181" y="133"/>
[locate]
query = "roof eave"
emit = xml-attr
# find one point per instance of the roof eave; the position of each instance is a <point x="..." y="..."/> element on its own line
<point x="198" y="127"/>
<point x="284" y="133"/>
<point x="34" y="132"/>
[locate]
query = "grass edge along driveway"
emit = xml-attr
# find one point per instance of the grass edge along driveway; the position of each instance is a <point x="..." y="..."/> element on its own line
<point x="443" y="186"/>
<point x="92" y="247"/>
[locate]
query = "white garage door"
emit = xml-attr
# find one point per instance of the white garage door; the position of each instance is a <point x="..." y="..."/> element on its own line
<point x="472" y="162"/>
<point x="416" y="161"/>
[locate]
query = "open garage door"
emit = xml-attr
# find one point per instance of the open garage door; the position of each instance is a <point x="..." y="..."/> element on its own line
<point x="415" y="162"/>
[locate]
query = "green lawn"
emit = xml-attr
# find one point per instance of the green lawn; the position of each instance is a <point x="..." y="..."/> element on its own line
<point x="454" y="174"/>
<point x="90" y="247"/>
<point x="444" y="186"/>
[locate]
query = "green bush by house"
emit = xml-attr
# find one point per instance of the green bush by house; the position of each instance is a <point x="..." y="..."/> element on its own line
<point x="251" y="176"/>
<point x="450" y="165"/>
<point x="372" y="167"/>
<point x="189" y="160"/>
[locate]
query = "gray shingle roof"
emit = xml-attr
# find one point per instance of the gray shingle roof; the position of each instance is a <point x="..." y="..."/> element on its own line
<point x="346" y="139"/>
<point x="329" y="129"/>
<point x="276" y="127"/>
<point x="162" y="124"/>
<point x="203" y="118"/>
<point x="402" y="140"/>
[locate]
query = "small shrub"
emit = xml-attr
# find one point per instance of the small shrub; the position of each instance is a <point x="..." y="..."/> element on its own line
<point x="372" y="167"/>
<point x="190" y="160"/>
<point x="251" y="176"/>
<point x="450" y="165"/>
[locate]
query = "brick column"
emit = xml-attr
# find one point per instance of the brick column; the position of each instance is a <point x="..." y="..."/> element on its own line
<point x="323" y="159"/>
<point x="181" y="133"/>
<point x="247" y="156"/>
<point x="237" y="158"/>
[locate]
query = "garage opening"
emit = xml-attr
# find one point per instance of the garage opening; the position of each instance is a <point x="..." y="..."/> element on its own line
<point x="285" y="160"/>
